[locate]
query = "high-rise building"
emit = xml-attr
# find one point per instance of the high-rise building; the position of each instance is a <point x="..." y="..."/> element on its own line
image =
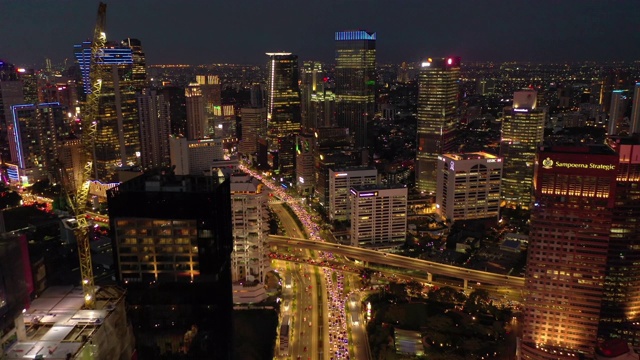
<point x="36" y="135"/>
<point x="211" y="90"/>
<point x="173" y="240"/>
<point x="341" y="180"/>
<point x="193" y="157"/>
<point x="378" y="216"/>
<point x="621" y="302"/>
<point x="155" y="128"/>
<point x="322" y="111"/>
<point x="355" y="78"/>
<point x="334" y="147"/>
<point x="283" y="109"/>
<point x="117" y="139"/>
<point x="254" y="126"/>
<point x="437" y="117"/>
<point x="619" y="103"/>
<point x="10" y="94"/>
<point x="197" y="123"/>
<point x="468" y="186"/>
<point x="176" y="98"/>
<point x="635" y="111"/>
<point x="522" y="134"/>
<point x="569" y="242"/>
<point x="312" y="76"/>
<point x="305" y="171"/>
<point x="250" y="216"/>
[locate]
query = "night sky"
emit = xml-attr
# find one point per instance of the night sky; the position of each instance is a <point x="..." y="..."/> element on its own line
<point x="241" y="31"/>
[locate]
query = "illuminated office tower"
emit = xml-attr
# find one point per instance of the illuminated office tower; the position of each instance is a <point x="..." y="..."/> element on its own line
<point x="567" y="262"/>
<point x="635" y="111"/>
<point x="117" y="141"/>
<point x="197" y="127"/>
<point x="10" y="94"/>
<point x="437" y="117"/>
<point x="250" y="218"/>
<point x="155" y="128"/>
<point x="340" y="181"/>
<point x="211" y="91"/>
<point x="311" y="78"/>
<point x="355" y="77"/>
<point x="469" y="186"/>
<point x="378" y="216"/>
<point x="30" y="84"/>
<point x="619" y="102"/>
<point x="254" y="126"/>
<point x="224" y="122"/>
<point x="283" y="110"/>
<point x="305" y="171"/>
<point x="36" y="135"/>
<point x="322" y="112"/>
<point x="522" y="134"/>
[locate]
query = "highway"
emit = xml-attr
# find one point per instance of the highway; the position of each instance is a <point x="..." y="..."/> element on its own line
<point x="373" y="256"/>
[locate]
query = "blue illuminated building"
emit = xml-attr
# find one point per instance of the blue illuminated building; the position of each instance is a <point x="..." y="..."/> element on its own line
<point x="113" y="55"/>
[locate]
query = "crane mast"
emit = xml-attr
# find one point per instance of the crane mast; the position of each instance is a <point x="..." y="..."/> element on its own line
<point x="89" y="125"/>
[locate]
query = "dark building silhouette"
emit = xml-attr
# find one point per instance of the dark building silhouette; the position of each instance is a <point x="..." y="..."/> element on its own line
<point x="172" y="241"/>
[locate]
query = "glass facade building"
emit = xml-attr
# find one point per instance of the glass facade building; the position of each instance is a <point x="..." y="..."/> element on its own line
<point x="355" y="78"/>
<point x="117" y="134"/>
<point x="522" y="134"/>
<point x="36" y="135"/>
<point x="283" y="110"/>
<point x="437" y="117"/>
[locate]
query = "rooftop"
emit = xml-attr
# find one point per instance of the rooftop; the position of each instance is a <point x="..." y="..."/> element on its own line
<point x="56" y="324"/>
<point x="471" y="156"/>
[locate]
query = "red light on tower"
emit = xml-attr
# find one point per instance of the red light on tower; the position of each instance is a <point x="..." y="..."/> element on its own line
<point x="449" y="61"/>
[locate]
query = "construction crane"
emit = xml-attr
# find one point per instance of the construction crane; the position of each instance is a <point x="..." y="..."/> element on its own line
<point x="89" y="125"/>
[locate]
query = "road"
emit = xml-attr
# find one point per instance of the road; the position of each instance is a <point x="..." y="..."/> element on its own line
<point x="305" y="307"/>
<point x="373" y="256"/>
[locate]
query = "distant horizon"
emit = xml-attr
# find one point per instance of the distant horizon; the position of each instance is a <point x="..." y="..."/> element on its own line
<point x="200" y="32"/>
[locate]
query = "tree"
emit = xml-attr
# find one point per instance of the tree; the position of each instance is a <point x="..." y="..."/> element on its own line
<point x="478" y="302"/>
<point x="447" y="294"/>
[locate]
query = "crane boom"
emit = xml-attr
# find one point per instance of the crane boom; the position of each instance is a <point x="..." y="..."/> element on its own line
<point x="89" y="125"/>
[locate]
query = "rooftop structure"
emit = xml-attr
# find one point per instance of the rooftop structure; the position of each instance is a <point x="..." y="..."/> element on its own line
<point x="56" y="325"/>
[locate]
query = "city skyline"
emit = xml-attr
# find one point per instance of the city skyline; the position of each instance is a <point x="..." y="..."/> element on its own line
<point x="197" y="32"/>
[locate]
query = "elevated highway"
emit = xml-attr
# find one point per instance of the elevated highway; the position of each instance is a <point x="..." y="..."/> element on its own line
<point x="429" y="267"/>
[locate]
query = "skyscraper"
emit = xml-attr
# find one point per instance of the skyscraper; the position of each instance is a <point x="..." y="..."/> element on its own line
<point x="567" y="262"/>
<point x="437" y="117"/>
<point x="254" y="126"/>
<point x="305" y="174"/>
<point x="10" y="94"/>
<point x="311" y="77"/>
<point x="117" y="140"/>
<point x="522" y="134"/>
<point x="283" y="109"/>
<point x="619" y="102"/>
<point x="36" y="135"/>
<point x="355" y="77"/>
<point x="197" y="126"/>
<point x="155" y="128"/>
